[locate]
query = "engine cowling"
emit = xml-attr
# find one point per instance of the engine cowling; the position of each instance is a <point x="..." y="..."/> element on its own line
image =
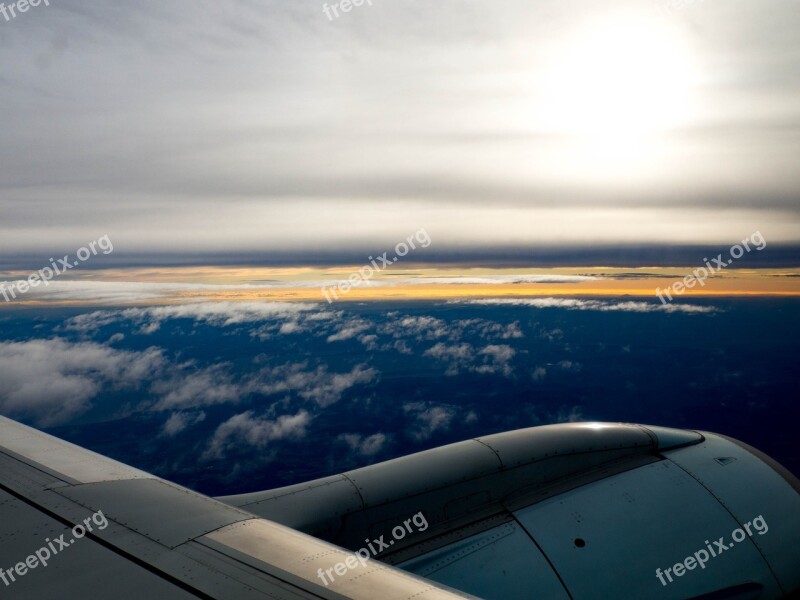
<point x="587" y="510"/>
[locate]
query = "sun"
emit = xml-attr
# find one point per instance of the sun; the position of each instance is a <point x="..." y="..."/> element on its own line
<point x="620" y="79"/>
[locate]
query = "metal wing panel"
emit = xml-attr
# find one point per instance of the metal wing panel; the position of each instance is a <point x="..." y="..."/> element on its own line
<point x="490" y="564"/>
<point x="267" y="543"/>
<point x="83" y="570"/>
<point x="749" y="488"/>
<point x="154" y="539"/>
<point x="634" y="523"/>
<point x="72" y="462"/>
<point x="182" y="516"/>
<point x="289" y="505"/>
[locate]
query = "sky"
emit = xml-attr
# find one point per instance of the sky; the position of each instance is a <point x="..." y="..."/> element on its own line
<point x="183" y="128"/>
<point x="556" y="165"/>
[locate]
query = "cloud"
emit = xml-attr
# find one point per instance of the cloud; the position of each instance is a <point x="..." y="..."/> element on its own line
<point x="458" y="357"/>
<point x="499" y="357"/>
<point x="318" y="385"/>
<point x="431" y="328"/>
<point x="540" y="372"/>
<point x="291" y="327"/>
<point x="186" y="386"/>
<point x="551" y="335"/>
<point x="106" y="292"/>
<point x="428" y="419"/>
<point x="52" y="381"/>
<point x="573" y="415"/>
<point x="220" y="314"/>
<point x="369" y="341"/>
<point x="349" y="330"/>
<point x="491" y="329"/>
<point x="419" y="327"/>
<point x="598" y="305"/>
<point x="364" y="446"/>
<point x="179" y="421"/>
<point x="245" y="431"/>
<point x="238" y="61"/>
<point x="545" y="415"/>
<point x="190" y="388"/>
<point x="402" y="347"/>
<point x="463" y="357"/>
<point x="301" y="321"/>
<point x="499" y="279"/>
<point x="568" y="365"/>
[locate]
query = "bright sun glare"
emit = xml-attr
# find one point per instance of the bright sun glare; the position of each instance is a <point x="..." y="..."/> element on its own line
<point x="618" y="83"/>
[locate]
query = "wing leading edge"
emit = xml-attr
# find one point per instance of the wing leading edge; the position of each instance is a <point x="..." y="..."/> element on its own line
<point x="159" y="539"/>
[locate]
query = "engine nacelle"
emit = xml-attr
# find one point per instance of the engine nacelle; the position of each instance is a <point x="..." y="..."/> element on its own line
<point x="588" y="510"/>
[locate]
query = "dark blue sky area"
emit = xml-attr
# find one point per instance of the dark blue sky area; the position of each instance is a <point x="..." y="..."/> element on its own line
<point x="236" y="402"/>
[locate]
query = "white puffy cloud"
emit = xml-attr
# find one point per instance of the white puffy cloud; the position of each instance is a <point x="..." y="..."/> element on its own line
<point x="291" y="327"/>
<point x="424" y="327"/>
<point x="402" y="347"/>
<point x="498" y="358"/>
<point x="491" y="329"/>
<point x="53" y="380"/>
<point x="189" y="387"/>
<point x="568" y="365"/>
<point x="349" y="330"/>
<point x="319" y="385"/>
<point x="246" y="431"/>
<point x="364" y="446"/>
<point x="179" y="421"/>
<point x="420" y="327"/>
<point x="220" y="314"/>
<point x="463" y="357"/>
<point x="458" y="357"/>
<point x="540" y="372"/>
<point x="369" y="341"/>
<point x="428" y="419"/>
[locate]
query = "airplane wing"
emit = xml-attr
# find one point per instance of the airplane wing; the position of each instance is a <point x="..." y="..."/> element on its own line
<point x="77" y="525"/>
<point x="566" y="511"/>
